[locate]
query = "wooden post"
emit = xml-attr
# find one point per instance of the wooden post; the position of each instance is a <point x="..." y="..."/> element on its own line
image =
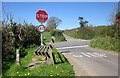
<point x="17" y="57"/>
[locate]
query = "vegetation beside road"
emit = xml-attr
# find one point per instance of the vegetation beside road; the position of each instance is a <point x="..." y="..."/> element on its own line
<point x="81" y="33"/>
<point x="26" y="38"/>
<point x="106" y="43"/>
<point x="61" y="68"/>
<point x="104" y="37"/>
<point x="58" y="35"/>
<point x="22" y="36"/>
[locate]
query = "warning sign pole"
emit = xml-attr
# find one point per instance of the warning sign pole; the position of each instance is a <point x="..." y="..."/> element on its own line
<point x="42" y="17"/>
<point x="41" y="36"/>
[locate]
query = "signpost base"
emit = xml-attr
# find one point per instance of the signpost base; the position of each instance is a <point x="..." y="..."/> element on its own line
<point x="41" y="39"/>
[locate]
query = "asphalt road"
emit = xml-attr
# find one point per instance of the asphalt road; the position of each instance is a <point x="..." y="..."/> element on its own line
<point x="88" y="61"/>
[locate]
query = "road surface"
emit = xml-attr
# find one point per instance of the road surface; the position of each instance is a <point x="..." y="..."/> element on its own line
<point x="88" y="61"/>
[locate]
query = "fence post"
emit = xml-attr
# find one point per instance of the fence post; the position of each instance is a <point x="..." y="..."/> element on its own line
<point x="17" y="57"/>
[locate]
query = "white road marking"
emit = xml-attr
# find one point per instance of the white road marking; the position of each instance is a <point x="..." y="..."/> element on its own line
<point x="80" y="55"/>
<point x="72" y="47"/>
<point x="85" y="55"/>
<point x="100" y="55"/>
<point x="75" y="56"/>
<point x="104" y="55"/>
<point x="91" y="54"/>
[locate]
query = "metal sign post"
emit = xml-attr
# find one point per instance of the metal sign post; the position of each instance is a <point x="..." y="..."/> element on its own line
<point x="41" y="39"/>
<point x="41" y="29"/>
<point x="42" y="17"/>
<point x="42" y="36"/>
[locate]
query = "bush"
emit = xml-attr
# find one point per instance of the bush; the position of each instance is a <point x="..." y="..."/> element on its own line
<point x="104" y="31"/>
<point x="22" y="52"/>
<point x="11" y="41"/>
<point x="58" y="35"/>
<point x="81" y="33"/>
<point x="91" y="32"/>
<point x="86" y="33"/>
<point x="107" y="43"/>
<point x="52" y="32"/>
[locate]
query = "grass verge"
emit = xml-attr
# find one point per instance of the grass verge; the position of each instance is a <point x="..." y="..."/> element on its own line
<point x="106" y="43"/>
<point x="58" y="35"/>
<point x="61" y="67"/>
<point x="47" y="36"/>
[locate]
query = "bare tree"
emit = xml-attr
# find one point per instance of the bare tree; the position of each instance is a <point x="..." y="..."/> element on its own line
<point x="53" y="23"/>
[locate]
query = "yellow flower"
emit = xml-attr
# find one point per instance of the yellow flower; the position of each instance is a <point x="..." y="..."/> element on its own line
<point x="56" y="66"/>
<point x="28" y="73"/>
<point x="25" y="74"/>
<point x="17" y="72"/>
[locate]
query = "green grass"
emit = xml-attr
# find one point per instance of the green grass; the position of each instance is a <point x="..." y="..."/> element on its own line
<point x="58" y="35"/>
<point x="59" y="38"/>
<point x="71" y="33"/>
<point x="28" y="58"/>
<point x="59" y="58"/>
<point x="61" y="68"/>
<point x="47" y="36"/>
<point x="81" y="33"/>
<point x="106" y="43"/>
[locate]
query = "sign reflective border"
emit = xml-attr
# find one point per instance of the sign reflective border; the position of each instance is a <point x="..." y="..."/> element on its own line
<point x="41" y="16"/>
<point x="41" y="28"/>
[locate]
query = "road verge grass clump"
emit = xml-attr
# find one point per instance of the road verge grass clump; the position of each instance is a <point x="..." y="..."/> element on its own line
<point x="106" y="43"/>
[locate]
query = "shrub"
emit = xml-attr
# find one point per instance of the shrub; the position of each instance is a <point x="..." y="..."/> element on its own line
<point x="107" y="43"/>
<point x="22" y="52"/>
<point x="58" y="35"/>
<point x="11" y="41"/>
<point x="81" y="33"/>
<point x="86" y="33"/>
